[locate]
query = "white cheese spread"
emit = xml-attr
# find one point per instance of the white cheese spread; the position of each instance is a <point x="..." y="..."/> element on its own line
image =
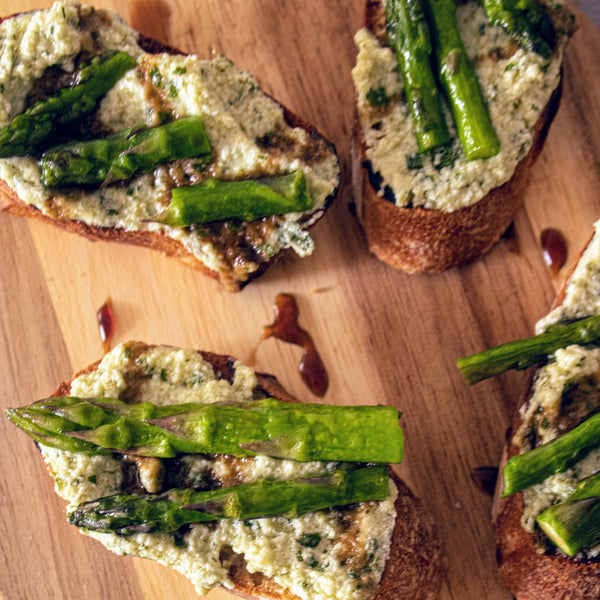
<point x="566" y="365"/>
<point x="306" y="555"/>
<point x="236" y="114"/>
<point x="516" y="88"/>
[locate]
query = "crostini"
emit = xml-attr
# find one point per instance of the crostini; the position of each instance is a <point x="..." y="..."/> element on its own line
<point x="102" y="145"/>
<point x="546" y="511"/>
<point x="436" y="193"/>
<point x="295" y="501"/>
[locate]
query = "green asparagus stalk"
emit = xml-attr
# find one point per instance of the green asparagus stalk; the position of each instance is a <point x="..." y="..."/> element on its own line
<point x="50" y="428"/>
<point x="247" y="200"/>
<point x="524" y="353"/>
<point x="298" y="431"/>
<point x="408" y="35"/>
<point x="122" y="155"/>
<point x="127" y="515"/>
<point x="575" y="523"/>
<point x="526" y="20"/>
<point x="475" y="129"/>
<point x="527" y="469"/>
<point x="31" y="131"/>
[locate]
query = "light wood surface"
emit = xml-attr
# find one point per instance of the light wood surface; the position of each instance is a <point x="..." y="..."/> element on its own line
<point x="385" y="337"/>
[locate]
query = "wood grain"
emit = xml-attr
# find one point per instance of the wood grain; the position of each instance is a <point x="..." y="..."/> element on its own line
<point x="385" y="336"/>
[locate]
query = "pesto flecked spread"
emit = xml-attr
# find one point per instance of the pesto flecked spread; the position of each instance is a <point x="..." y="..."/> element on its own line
<point x="327" y="554"/>
<point x="516" y="85"/>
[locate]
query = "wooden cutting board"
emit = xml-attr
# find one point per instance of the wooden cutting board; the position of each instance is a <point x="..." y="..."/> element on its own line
<point x="385" y="337"/>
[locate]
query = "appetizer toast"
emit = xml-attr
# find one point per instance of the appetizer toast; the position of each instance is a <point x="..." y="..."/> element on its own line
<point x="546" y="504"/>
<point x="432" y="207"/>
<point x="128" y="442"/>
<point x="103" y="163"/>
<point x="563" y="397"/>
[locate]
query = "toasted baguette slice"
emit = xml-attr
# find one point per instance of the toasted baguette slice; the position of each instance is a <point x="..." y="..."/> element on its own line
<point x="423" y="221"/>
<point x="412" y="569"/>
<point x="530" y="573"/>
<point x="233" y="252"/>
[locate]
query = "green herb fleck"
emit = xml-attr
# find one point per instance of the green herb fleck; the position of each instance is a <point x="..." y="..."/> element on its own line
<point x="309" y="540"/>
<point x="377" y="96"/>
<point x="445" y="157"/>
<point x="414" y="161"/>
<point x="155" y="76"/>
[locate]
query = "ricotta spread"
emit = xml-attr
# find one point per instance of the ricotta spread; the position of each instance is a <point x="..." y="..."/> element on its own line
<point x="242" y="123"/>
<point x="516" y="85"/>
<point x="307" y="555"/>
<point x="565" y="368"/>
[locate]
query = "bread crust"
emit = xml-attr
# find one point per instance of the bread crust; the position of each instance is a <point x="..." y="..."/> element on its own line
<point x="416" y="563"/>
<point x="417" y="239"/>
<point x="529" y="575"/>
<point x="13" y="205"/>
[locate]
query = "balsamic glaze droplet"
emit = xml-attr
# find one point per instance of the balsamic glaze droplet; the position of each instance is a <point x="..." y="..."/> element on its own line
<point x="554" y="246"/>
<point x="285" y="327"/>
<point x="510" y="239"/>
<point x="485" y="479"/>
<point x="106" y="324"/>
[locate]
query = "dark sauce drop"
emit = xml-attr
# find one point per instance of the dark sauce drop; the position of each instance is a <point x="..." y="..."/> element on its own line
<point x="285" y="327"/>
<point x="106" y="324"/>
<point x="554" y="246"/>
<point x="485" y="479"/>
<point x="510" y="239"/>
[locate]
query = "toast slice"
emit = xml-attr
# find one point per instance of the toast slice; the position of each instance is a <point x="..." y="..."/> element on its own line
<point x="422" y="213"/>
<point x="531" y="567"/>
<point x="251" y="136"/>
<point x="385" y="550"/>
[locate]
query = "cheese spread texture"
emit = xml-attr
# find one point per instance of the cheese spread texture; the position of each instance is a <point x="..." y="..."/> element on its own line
<point x="241" y="123"/>
<point x="516" y="85"/>
<point x="566" y="369"/>
<point x="309" y="555"/>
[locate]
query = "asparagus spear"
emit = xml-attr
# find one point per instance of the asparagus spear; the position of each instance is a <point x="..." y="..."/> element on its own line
<point x="524" y="353"/>
<point x="475" y="130"/>
<point x="34" y="129"/>
<point x="248" y="200"/>
<point x="302" y="432"/>
<point x="50" y="428"/>
<point x="527" y="469"/>
<point x="575" y="523"/>
<point x="124" y="154"/>
<point x="526" y="20"/>
<point x="126" y="514"/>
<point x="408" y="35"/>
